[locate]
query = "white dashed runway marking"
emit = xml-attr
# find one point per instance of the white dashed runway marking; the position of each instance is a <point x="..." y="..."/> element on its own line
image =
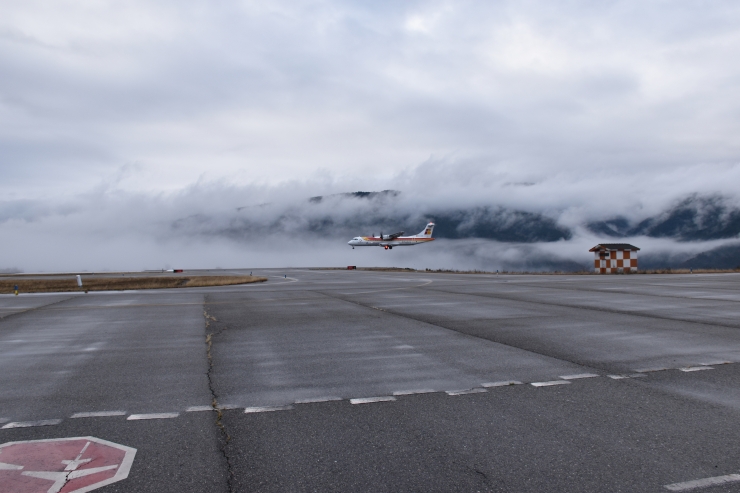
<point x="564" y="380"/>
<point x="136" y="417"/>
<point x="226" y="407"/>
<point x="580" y="375"/>
<point x="313" y="400"/>
<point x="98" y="414"/>
<point x="501" y="384"/>
<point x="650" y="370"/>
<point x="412" y="392"/>
<point x="29" y="424"/>
<point x="466" y="391"/>
<point x="703" y="483"/>
<point x="368" y="400"/>
<point x="267" y="409"/>
<point x="196" y="409"/>
<point x="548" y="384"/>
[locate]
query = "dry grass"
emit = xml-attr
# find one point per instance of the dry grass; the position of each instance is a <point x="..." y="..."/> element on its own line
<point x="122" y="283"/>
<point x="375" y="269"/>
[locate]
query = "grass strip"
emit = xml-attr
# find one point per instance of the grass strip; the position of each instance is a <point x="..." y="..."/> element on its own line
<point x="121" y="283"/>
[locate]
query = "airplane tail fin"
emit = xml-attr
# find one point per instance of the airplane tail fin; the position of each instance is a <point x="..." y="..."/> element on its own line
<point x="427" y="233"/>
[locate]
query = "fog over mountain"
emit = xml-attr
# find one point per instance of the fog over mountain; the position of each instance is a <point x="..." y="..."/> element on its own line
<point x="506" y="226"/>
<point x="695" y="218"/>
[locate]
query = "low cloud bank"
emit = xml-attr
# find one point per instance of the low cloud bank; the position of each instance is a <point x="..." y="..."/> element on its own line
<point x="540" y="225"/>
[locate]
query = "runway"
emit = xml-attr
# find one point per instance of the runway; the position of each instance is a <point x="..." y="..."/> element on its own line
<point x="331" y="380"/>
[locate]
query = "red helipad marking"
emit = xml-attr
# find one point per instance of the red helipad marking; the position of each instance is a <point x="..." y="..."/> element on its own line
<point x="62" y="465"/>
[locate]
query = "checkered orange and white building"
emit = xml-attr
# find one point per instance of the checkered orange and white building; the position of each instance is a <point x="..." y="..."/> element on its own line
<point x="612" y="258"/>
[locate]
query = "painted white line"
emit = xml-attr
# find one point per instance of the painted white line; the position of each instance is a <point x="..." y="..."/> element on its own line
<point x="579" y="375"/>
<point x="718" y="362"/>
<point x="368" y="400"/>
<point x="9" y="467"/>
<point x="703" y="483"/>
<point x="98" y="414"/>
<point x="696" y="368"/>
<point x="313" y="400"/>
<point x="631" y="375"/>
<point x="411" y="392"/>
<point x="649" y="370"/>
<point x="501" y="384"/>
<point x="547" y="384"/>
<point x="266" y="409"/>
<point x="135" y="417"/>
<point x="226" y="407"/>
<point x="29" y="424"/>
<point x="84" y="472"/>
<point x="466" y="391"/>
<point x="197" y="409"/>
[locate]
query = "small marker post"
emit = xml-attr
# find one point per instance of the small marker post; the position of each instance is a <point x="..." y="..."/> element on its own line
<point x="15" y="288"/>
<point x="79" y="281"/>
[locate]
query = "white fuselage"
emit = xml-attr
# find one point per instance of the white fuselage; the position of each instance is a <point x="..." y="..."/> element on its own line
<point x="377" y="241"/>
<point x="389" y="241"/>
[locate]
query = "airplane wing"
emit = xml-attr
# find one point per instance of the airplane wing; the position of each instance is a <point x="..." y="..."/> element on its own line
<point x="394" y="235"/>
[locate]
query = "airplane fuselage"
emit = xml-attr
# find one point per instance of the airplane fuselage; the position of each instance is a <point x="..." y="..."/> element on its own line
<point x="395" y="239"/>
<point x="377" y="241"/>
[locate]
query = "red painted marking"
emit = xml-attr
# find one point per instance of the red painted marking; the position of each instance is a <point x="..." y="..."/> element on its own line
<point x="64" y="465"/>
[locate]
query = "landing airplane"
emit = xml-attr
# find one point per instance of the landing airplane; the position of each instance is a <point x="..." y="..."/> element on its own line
<point x="389" y="241"/>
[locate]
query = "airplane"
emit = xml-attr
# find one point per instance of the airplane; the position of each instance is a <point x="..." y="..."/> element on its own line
<point x="395" y="239"/>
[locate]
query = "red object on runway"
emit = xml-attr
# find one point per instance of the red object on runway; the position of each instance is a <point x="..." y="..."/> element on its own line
<point x="62" y="465"/>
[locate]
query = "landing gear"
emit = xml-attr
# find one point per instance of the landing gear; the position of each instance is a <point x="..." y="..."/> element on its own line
<point x="388" y="247"/>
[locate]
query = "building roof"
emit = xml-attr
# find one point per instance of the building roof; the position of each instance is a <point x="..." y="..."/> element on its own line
<point x="614" y="246"/>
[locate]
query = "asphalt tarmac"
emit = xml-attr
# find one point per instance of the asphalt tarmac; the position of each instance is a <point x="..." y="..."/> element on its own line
<point x="330" y="380"/>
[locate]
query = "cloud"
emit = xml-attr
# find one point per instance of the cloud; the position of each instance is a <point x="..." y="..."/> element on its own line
<point x="252" y="92"/>
<point x="498" y="221"/>
<point x="119" y="122"/>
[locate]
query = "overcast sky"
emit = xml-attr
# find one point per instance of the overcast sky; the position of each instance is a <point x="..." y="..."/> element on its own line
<point x="614" y="102"/>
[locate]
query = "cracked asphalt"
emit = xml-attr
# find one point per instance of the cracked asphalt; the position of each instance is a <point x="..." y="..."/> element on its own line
<point x="647" y="369"/>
